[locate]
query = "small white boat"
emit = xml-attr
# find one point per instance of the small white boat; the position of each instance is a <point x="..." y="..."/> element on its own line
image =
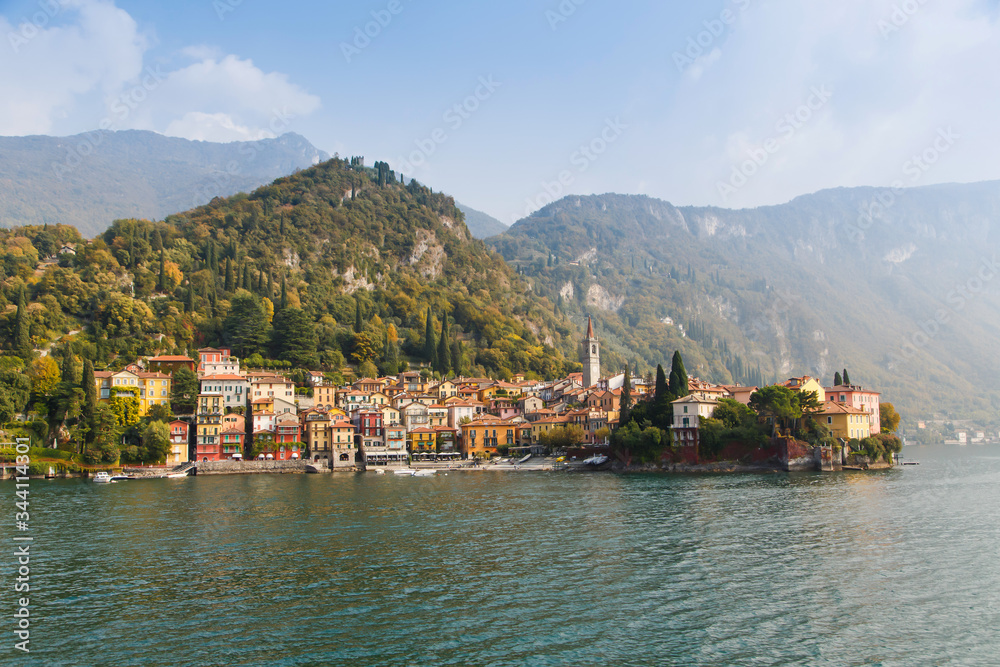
<point x="425" y="473"/>
<point x="595" y="461"/>
<point x="379" y="471"/>
<point x="120" y="478"/>
<point x="102" y="478"/>
<point x="176" y="475"/>
<point x="405" y="471"/>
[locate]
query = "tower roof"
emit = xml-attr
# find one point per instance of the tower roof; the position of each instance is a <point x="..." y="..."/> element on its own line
<point x="590" y="327"/>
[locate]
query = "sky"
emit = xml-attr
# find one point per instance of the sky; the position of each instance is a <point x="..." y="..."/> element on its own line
<point x="509" y="105"/>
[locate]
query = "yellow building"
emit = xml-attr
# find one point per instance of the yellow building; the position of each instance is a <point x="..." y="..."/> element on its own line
<point x="548" y="424"/>
<point x="806" y="384"/>
<point x="844" y="421"/>
<point x="150" y="388"/>
<point x="422" y="440"/>
<point x="482" y="438"/>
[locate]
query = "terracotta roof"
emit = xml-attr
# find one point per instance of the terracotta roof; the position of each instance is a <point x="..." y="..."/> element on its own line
<point x="590" y="328"/>
<point x="833" y="408"/>
<point x="172" y="357"/>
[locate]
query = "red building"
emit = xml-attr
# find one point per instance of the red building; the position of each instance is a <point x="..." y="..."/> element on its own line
<point x="287" y="431"/>
<point x="170" y="364"/>
<point x="232" y="443"/>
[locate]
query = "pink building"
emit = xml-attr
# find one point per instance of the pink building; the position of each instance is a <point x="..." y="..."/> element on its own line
<point x="856" y="397"/>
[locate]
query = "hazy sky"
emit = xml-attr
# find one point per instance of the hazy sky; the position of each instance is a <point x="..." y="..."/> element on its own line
<point x="727" y="102"/>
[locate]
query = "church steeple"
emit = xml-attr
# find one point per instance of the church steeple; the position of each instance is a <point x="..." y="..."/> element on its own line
<point x="591" y="356"/>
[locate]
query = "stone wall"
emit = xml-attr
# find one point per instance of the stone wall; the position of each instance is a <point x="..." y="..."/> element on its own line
<point x="252" y="467"/>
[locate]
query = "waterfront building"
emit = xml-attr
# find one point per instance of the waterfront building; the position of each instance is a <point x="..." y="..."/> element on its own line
<point x="591" y="357"/>
<point x="845" y="421"/>
<point x="208" y="426"/>
<point x="688" y="413"/>
<point x="234" y="389"/>
<point x="149" y="388"/>
<point x="861" y="399"/>
<point x="179" y="438"/>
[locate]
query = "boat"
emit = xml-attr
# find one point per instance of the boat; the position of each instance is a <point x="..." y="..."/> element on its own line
<point x="176" y="475"/>
<point x="595" y="461"/>
<point x="120" y="478"/>
<point x="51" y="474"/>
<point x="102" y="478"/>
<point x="379" y="471"/>
<point x="405" y="471"/>
<point x="424" y="473"/>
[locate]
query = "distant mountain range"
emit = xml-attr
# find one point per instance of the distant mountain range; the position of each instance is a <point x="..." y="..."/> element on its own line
<point x="89" y="180"/>
<point x="481" y="225"/>
<point x="903" y="288"/>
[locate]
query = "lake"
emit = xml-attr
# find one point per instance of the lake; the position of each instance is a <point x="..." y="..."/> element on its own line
<point x="896" y="567"/>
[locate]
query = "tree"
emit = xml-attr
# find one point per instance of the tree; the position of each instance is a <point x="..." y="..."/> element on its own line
<point x="229" y="285"/>
<point x="733" y="414"/>
<point x="626" y="400"/>
<point x="367" y="347"/>
<point x="889" y="417"/>
<point x="678" y="377"/>
<point x="837" y="379"/>
<point x="156" y="441"/>
<point x="390" y="356"/>
<point x="776" y="402"/>
<point x="89" y="398"/>
<point x="189" y="301"/>
<point x="246" y="325"/>
<point x="184" y="391"/>
<point x="284" y="292"/>
<point x="562" y="437"/>
<point x="368" y="370"/>
<point x="661" y="385"/>
<point x="22" y="337"/>
<point x="294" y="338"/>
<point x="125" y="405"/>
<point x="358" y="324"/>
<point x="159" y="412"/>
<point x="15" y="390"/>
<point x="443" y="350"/>
<point x="44" y="375"/>
<point x="430" y="345"/>
<point x="847" y="378"/>
<point x="161" y="281"/>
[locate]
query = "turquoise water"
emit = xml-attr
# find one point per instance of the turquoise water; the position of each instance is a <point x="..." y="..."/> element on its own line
<point x="887" y="568"/>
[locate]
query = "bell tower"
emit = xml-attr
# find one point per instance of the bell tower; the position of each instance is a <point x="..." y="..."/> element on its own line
<point x="591" y="357"/>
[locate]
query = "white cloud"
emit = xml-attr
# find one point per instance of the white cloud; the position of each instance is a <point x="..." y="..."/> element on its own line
<point x="44" y="70"/>
<point x="83" y="67"/>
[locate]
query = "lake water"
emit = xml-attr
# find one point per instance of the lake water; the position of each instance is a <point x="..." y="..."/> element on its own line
<point x="885" y="568"/>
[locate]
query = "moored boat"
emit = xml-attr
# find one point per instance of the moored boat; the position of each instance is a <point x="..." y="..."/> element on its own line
<point x="102" y="478"/>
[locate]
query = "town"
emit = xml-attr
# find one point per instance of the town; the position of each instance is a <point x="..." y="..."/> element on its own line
<point x="247" y="414"/>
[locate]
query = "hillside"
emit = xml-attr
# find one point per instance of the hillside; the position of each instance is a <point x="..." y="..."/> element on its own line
<point x="90" y="179"/>
<point x="808" y="287"/>
<point x="335" y="262"/>
<point x="481" y="225"/>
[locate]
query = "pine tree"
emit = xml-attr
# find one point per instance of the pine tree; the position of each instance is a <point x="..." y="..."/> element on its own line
<point x="22" y="333"/>
<point x="270" y="286"/>
<point x="837" y="379"/>
<point x="444" y="351"/>
<point x="847" y="378"/>
<point x="358" y="324"/>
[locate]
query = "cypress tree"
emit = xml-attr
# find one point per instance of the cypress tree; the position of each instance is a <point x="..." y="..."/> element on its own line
<point x="260" y="281"/>
<point x="189" y="303"/>
<point x="443" y="351"/>
<point x="847" y="378"/>
<point x="837" y="379"/>
<point x="661" y="384"/>
<point x="358" y="325"/>
<point x="456" y="357"/>
<point x="22" y="334"/>
<point x="430" y="345"/>
<point x="229" y="276"/>
<point x="247" y="285"/>
<point x="625" y="414"/>
<point x="284" y="292"/>
<point x="89" y="398"/>
<point x="161" y="282"/>
<point x="678" y="377"/>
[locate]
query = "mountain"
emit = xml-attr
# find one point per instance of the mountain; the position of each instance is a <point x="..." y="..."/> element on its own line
<point x="90" y="179"/>
<point x="898" y="286"/>
<point x="337" y="261"/>
<point x="481" y="225"/>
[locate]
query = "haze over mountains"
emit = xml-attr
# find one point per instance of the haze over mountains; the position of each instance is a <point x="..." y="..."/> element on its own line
<point x="900" y="287"/>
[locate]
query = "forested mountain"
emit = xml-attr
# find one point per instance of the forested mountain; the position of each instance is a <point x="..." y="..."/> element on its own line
<point x="898" y="286"/>
<point x="90" y="179"/>
<point x="336" y="261"/>
<point x="481" y="225"/>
